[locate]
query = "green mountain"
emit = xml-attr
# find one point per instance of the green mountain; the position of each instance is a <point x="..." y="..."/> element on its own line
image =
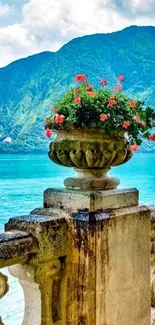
<point x="29" y="87"/>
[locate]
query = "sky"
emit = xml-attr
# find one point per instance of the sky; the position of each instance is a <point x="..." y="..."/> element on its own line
<point x="33" y="26"/>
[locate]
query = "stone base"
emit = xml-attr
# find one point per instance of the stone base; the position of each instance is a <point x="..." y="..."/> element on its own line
<point x="92" y="179"/>
<point x="92" y="200"/>
<point x="89" y="184"/>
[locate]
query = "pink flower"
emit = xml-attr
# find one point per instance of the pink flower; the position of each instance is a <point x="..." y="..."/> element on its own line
<point x="143" y="123"/>
<point x="117" y="88"/>
<point x="134" y="147"/>
<point x="59" y="119"/>
<point x="89" y="87"/>
<point x="77" y="100"/>
<point x="151" y="137"/>
<point x="112" y="102"/>
<point x="137" y="118"/>
<point x="103" y="117"/>
<point x="121" y="78"/>
<point x="80" y="78"/>
<point x="91" y="93"/>
<point x="103" y="82"/>
<point x="48" y="133"/>
<point x="126" y="124"/>
<point x="132" y="103"/>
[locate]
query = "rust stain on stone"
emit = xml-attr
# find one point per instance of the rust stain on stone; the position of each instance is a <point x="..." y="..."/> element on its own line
<point x="86" y="224"/>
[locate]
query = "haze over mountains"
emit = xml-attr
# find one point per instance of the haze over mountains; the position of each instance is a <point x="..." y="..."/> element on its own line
<point x="29" y="87"/>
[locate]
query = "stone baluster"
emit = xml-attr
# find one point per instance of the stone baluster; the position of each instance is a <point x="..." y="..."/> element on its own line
<point x="3" y="288"/>
<point x="3" y="285"/>
<point x="15" y="246"/>
<point x="42" y="278"/>
<point x="1" y="321"/>
<point x="39" y="283"/>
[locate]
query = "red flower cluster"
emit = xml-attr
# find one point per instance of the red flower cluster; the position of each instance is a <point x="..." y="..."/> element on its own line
<point x="117" y="88"/>
<point x="137" y="118"/>
<point x="143" y="123"/>
<point x="103" y="82"/>
<point x="48" y="133"/>
<point x="151" y="137"/>
<point x="134" y="147"/>
<point x="59" y="119"/>
<point x="132" y="103"/>
<point x="112" y="102"/>
<point x="80" y="78"/>
<point x="103" y="117"/>
<point x="77" y="100"/>
<point x="121" y="78"/>
<point x="133" y="113"/>
<point x="89" y="87"/>
<point x="91" y="93"/>
<point x="126" y="124"/>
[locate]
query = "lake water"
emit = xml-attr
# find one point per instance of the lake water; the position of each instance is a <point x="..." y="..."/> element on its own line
<point x="23" y="178"/>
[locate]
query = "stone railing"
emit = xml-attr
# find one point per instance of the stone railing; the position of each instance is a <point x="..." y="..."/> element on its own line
<point x="83" y="259"/>
<point x="15" y="247"/>
<point x="35" y="256"/>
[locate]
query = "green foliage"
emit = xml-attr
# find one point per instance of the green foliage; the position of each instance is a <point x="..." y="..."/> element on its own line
<point x="93" y="103"/>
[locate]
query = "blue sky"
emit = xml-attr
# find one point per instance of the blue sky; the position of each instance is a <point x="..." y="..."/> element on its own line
<point x="33" y="26"/>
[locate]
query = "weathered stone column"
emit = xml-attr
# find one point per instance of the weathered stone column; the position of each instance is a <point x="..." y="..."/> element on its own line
<point x="108" y="263"/>
<point x="93" y="262"/>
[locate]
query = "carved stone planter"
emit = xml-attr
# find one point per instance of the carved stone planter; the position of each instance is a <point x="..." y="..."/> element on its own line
<point x="92" y="153"/>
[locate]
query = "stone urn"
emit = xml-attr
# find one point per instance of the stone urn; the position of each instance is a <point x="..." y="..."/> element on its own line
<point x="92" y="153"/>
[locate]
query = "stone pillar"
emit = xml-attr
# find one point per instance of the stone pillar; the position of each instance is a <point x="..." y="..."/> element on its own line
<point x="108" y="263"/>
<point x="93" y="263"/>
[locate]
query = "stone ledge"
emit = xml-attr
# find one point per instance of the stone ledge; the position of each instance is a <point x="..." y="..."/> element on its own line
<point x="91" y="200"/>
<point x="49" y="231"/>
<point x="15" y="246"/>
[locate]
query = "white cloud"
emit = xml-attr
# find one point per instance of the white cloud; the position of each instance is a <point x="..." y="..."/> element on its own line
<point x="5" y="10"/>
<point x="48" y="24"/>
<point x="142" y="6"/>
<point x="15" y="41"/>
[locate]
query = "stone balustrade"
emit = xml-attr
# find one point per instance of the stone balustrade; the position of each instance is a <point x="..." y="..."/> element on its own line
<point x="83" y="259"/>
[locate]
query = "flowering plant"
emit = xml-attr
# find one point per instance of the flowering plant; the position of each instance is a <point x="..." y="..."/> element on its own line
<point x="86" y="107"/>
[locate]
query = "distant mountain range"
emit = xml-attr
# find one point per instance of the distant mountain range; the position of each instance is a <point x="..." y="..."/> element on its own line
<point x="29" y="87"/>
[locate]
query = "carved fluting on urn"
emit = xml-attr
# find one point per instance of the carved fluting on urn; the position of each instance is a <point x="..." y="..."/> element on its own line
<point x="89" y="154"/>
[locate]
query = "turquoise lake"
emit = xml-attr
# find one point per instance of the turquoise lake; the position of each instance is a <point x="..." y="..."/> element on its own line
<point x="23" y="178"/>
